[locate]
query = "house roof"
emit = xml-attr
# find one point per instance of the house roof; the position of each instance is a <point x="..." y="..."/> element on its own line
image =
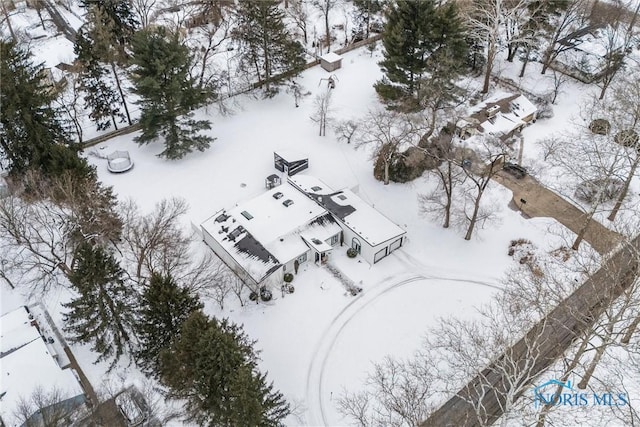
<point x="26" y="364"/>
<point x="331" y="57"/>
<point x="367" y="222"/>
<point x="290" y="156"/>
<point x="263" y="232"/>
<point x="512" y="108"/>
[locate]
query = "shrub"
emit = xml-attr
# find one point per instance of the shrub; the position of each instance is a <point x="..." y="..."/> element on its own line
<point x="627" y="138"/>
<point x="600" y="126"/>
<point x="288" y="277"/>
<point x="606" y="189"/>
<point x="352" y="253"/>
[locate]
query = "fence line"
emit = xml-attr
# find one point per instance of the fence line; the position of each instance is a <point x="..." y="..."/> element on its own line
<point x="245" y="89"/>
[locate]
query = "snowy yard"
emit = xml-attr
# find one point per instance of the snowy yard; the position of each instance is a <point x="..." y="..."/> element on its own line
<point x="319" y="341"/>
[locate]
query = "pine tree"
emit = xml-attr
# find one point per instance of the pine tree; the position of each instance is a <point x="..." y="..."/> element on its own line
<point x="420" y="36"/>
<point x="32" y="135"/>
<point x="168" y="94"/>
<point x="214" y="368"/>
<point x="102" y="313"/>
<point x="267" y="46"/>
<point x="100" y="97"/>
<point x="105" y="39"/>
<point x="365" y="9"/>
<point x="164" y="307"/>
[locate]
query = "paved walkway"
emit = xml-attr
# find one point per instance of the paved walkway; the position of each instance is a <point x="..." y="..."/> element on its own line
<point x="84" y="381"/>
<point x="534" y="200"/>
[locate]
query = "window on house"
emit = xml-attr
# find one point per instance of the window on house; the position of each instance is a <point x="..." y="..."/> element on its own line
<point x="335" y="239"/>
<point x="247" y="215"/>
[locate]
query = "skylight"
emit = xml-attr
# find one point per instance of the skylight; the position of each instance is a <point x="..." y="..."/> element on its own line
<point x="287" y="202"/>
<point x="342" y="197"/>
<point x="316" y="188"/>
<point x="247" y="215"/>
<point x="277" y="195"/>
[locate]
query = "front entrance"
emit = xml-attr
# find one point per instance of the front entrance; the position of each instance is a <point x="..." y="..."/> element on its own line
<point x="355" y="244"/>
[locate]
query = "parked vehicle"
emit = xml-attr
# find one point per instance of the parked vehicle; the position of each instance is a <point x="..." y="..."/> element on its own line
<point x="515" y="170"/>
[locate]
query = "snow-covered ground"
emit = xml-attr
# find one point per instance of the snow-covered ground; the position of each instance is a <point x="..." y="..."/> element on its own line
<point x="320" y="340"/>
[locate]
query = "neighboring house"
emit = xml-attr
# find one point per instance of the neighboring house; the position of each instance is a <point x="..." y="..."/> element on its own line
<point x="300" y="221"/>
<point x="28" y="361"/>
<point x="503" y="115"/>
<point x="584" y="54"/>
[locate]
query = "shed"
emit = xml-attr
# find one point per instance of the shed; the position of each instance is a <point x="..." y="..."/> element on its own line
<point x="290" y="161"/>
<point x="331" y="61"/>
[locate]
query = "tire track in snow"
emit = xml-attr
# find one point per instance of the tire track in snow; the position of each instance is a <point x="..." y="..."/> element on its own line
<point x="315" y="374"/>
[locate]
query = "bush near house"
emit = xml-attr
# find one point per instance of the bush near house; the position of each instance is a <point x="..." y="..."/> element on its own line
<point x="352" y="253"/>
<point x="288" y="277"/>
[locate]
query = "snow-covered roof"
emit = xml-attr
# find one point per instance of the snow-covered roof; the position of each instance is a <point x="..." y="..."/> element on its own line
<point x="509" y="112"/>
<point x="263" y="232"/>
<point x="331" y="57"/>
<point x="29" y="366"/>
<point x="16" y="330"/>
<point x="355" y="213"/>
<point x="290" y="156"/>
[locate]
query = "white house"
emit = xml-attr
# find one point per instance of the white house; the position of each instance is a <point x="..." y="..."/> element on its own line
<point x="299" y="221"/>
<point x="365" y="229"/>
<point x="502" y="115"/>
<point x="28" y="360"/>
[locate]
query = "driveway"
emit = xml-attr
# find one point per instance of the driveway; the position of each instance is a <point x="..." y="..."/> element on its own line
<point x="534" y="200"/>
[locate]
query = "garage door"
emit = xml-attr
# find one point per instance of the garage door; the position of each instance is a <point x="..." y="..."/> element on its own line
<point x="395" y="245"/>
<point x="380" y="254"/>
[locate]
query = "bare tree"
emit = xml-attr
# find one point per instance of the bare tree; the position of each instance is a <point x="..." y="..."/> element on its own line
<point x="325" y="7"/>
<point x="439" y="201"/>
<point x="323" y="108"/>
<point x="484" y="20"/>
<point x="479" y="168"/>
<point x="45" y="407"/>
<point x="397" y="394"/>
<point x="214" y="35"/>
<point x="43" y="221"/>
<point x="143" y="9"/>
<point x="385" y="133"/>
<point x="570" y="19"/>
<point x="345" y="130"/>
<point x="299" y="13"/>
<point x="69" y="103"/>
<point x="624" y="109"/>
<point x="155" y="242"/>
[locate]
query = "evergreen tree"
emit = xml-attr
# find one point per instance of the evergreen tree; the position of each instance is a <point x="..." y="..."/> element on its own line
<point x="168" y="93"/>
<point x="116" y="15"/>
<point x="214" y="368"/>
<point x="32" y="135"/>
<point x="100" y="97"/>
<point x="102" y="313"/>
<point x="267" y="46"/>
<point x="422" y="37"/>
<point x="365" y="9"/>
<point x="104" y="39"/>
<point x="164" y="307"/>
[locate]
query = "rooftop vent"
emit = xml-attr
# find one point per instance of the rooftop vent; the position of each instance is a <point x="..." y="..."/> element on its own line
<point x="342" y="197"/>
<point x="222" y="218"/>
<point x="277" y="195"/>
<point x="316" y="241"/>
<point x="316" y="188"/>
<point x="493" y="110"/>
<point x="287" y="202"/>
